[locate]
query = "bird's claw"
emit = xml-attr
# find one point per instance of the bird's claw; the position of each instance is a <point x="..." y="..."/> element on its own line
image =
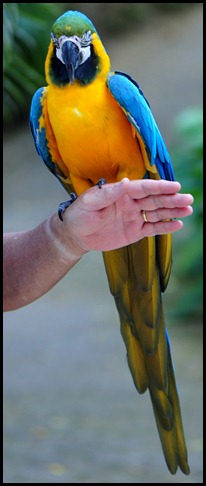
<point x="101" y="182"/>
<point x="64" y="205"/>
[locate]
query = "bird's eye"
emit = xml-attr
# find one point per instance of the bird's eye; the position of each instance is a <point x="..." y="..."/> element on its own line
<point x="55" y="40"/>
<point x="86" y="38"/>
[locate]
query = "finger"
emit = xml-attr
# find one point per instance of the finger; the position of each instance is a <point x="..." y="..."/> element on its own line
<point x="166" y="201"/>
<point x="162" y="227"/>
<point x="164" y="213"/>
<point x="136" y="189"/>
<point x="149" y="187"/>
<point x="97" y="198"/>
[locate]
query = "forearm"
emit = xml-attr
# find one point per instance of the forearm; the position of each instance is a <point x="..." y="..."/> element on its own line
<point x="35" y="260"/>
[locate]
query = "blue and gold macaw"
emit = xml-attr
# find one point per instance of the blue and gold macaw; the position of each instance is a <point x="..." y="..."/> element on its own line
<point x="89" y="125"/>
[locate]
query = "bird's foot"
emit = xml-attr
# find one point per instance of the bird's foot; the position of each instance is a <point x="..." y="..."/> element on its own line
<point x="64" y="205"/>
<point x="101" y="182"/>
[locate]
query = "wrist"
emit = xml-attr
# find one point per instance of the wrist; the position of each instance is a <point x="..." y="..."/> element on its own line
<point x="67" y="249"/>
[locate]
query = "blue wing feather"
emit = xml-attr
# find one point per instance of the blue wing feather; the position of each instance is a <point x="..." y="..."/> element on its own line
<point x="137" y="109"/>
<point x="39" y="135"/>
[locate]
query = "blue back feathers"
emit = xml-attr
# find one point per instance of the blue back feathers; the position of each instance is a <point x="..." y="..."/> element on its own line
<point x="137" y="109"/>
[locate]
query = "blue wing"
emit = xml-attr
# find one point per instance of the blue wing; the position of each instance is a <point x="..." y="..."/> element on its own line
<point x="41" y="137"/>
<point x="137" y="109"/>
<point x="39" y="133"/>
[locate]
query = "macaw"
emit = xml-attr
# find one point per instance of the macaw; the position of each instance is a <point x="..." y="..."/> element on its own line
<point x="91" y="125"/>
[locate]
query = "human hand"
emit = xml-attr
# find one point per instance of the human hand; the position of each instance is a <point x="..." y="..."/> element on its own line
<point x="112" y="217"/>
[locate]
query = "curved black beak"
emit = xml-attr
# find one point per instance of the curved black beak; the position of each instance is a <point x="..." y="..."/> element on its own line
<point x="72" y="57"/>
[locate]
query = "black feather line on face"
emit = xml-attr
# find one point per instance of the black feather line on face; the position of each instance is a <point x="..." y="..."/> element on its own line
<point x="85" y="73"/>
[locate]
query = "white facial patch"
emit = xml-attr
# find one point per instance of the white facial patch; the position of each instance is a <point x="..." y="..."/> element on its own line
<point x="85" y="51"/>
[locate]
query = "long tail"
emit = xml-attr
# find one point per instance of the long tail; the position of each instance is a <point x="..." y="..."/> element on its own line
<point x="137" y="275"/>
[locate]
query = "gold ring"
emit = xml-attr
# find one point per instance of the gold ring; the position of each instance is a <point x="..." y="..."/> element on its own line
<point x="144" y="216"/>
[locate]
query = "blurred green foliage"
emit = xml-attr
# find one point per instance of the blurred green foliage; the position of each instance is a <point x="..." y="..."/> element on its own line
<point x="26" y="28"/>
<point x="187" y="274"/>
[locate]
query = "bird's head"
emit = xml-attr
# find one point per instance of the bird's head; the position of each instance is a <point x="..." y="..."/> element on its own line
<point x="75" y="51"/>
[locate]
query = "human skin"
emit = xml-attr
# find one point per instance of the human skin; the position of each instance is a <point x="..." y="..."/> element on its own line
<point x="100" y="219"/>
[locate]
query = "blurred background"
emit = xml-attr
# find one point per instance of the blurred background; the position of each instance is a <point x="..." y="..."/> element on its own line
<point x="71" y="413"/>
